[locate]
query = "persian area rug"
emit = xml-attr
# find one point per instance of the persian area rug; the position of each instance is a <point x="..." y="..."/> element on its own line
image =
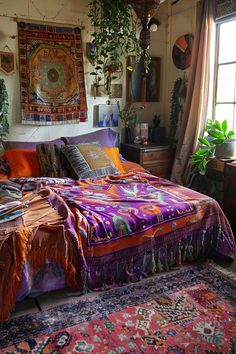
<point x="191" y="310"/>
<point x="51" y="74"/>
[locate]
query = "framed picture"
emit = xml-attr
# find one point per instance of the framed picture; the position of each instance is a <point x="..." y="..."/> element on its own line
<point x="143" y="88"/>
<point x="90" y="52"/>
<point x="116" y="91"/>
<point x="98" y="91"/>
<point x="7" y="62"/>
<point x="108" y="115"/>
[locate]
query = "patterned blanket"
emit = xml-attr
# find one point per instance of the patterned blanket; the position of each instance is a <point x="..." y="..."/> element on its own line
<point x="106" y="231"/>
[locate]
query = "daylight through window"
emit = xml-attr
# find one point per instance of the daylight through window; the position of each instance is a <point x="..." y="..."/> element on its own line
<point x="225" y="92"/>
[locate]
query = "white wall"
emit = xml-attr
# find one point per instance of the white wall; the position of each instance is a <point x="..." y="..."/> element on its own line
<point x="181" y="21"/>
<point x="175" y="20"/>
<point x="72" y="12"/>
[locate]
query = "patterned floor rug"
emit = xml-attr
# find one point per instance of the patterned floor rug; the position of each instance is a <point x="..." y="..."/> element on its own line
<point x="191" y="310"/>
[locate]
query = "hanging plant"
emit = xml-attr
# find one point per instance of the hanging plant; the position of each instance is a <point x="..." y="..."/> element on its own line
<point x="4" y="126"/>
<point x="177" y="101"/>
<point x="114" y="38"/>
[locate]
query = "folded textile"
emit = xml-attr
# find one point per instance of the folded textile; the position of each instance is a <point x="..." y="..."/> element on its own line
<point x="8" y="206"/>
<point x="11" y="216"/>
<point x="10" y="190"/>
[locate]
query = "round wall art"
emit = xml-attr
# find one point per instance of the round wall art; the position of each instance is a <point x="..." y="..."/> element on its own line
<point x="181" y="52"/>
<point x="52" y="73"/>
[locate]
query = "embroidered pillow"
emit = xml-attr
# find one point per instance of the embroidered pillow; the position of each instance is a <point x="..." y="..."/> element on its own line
<point x="88" y="160"/>
<point x="49" y="160"/>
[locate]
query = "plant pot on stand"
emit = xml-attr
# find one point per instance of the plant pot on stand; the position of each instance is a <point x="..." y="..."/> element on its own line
<point x="226" y="150"/>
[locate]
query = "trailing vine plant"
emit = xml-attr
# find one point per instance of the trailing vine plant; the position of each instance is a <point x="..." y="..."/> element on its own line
<point x="114" y="37"/>
<point x="4" y="125"/>
<point x="177" y="102"/>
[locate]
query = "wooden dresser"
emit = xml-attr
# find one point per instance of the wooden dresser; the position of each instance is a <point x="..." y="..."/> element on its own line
<point x="229" y="200"/>
<point x="157" y="159"/>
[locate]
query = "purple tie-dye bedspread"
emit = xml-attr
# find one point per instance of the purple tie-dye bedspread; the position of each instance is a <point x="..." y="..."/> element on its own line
<point x="127" y="227"/>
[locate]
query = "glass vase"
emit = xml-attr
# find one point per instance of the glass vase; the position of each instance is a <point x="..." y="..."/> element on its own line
<point x="128" y="137"/>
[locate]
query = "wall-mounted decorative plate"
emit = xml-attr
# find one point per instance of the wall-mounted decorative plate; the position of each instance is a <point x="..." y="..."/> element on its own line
<point x="181" y="52"/>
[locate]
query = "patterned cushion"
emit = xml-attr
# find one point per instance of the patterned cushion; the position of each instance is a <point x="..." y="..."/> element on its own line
<point x="88" y="160"/>
<point x="49" y="160"/>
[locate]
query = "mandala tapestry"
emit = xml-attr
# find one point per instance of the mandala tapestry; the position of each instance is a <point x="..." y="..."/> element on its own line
<point x="51" y="74"/>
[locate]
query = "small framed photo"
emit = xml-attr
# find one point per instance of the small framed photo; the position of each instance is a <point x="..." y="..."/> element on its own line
<point x="108" y="115"/>
<point x="90" y="52"/>
<point x="116" y="91"/>
<point x="7" y="62"/>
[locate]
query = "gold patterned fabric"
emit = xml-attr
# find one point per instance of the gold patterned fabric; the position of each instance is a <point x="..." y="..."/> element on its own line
<point x="88" y="160"/>
<point x="94" y="156"/>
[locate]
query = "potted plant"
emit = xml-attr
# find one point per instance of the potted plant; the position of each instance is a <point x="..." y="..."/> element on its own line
<point x="4" y="126"/>
<point x="114" y="38"/>
<point x="226" y="150"/>
<point x="217" y="135"/>
<point x="127" y="117"/>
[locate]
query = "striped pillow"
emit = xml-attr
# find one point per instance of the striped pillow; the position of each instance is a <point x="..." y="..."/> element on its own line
<point x="88" y="160"/>
<point x="50" y="161"/>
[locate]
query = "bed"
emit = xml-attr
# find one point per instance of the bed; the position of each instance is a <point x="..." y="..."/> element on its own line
<point x="99" y="232"/>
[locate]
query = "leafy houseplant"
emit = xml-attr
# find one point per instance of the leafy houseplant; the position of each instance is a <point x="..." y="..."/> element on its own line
<point x="4" y="126"/>
<point x="218" y="133"/>
<point x="127" y="114"/>
<point x="114" y="38"/>
<point x="127" y="117"/>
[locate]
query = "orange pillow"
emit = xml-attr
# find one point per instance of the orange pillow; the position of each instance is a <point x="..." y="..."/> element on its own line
<point x="3" y="176"/>
<point x="23" y="163"/>
<point x="114" y="155"/>
<point x="132" y="167"/>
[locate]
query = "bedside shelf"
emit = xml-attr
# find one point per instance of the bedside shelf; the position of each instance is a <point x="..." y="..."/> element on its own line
<point x="157" y="159"/>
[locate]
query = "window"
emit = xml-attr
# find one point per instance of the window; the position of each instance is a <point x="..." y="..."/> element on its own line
<point x="225" y="81"/>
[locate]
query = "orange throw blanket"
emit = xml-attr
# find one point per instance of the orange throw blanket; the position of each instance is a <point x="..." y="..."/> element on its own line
<point x="42" y="235"/>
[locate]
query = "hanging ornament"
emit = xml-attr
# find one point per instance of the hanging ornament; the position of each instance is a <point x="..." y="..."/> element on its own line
<point x="7" y="61"/>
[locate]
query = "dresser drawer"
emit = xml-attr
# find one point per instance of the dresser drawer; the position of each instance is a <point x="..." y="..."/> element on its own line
<point x="229" y="206"/>
<point x="217" y="165"/>
<point x="229" y="203"/>
<point x="160" y="170"/>
<point x="157" y="159"/>
<point x="150" y="156"/>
